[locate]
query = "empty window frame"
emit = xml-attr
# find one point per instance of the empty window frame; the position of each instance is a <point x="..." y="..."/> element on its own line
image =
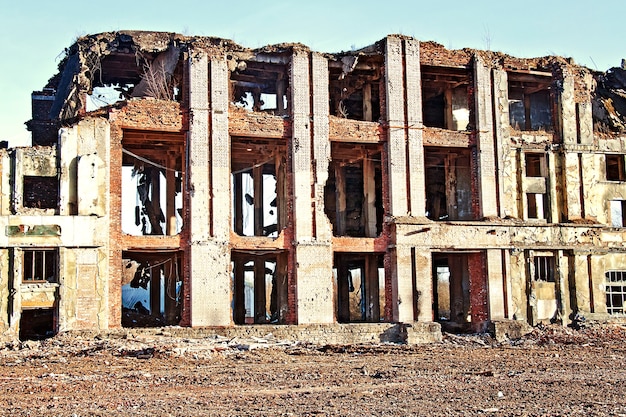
<point x="40" y="265"/>
<point x="353" y="191"/>
<point x="360" y="283"/>
<point x="40" y="192"/>
<point x="615" y="291"/>
<point x="151" y="288"/>
<point x="259" y="287"/>
<point x="618" y="213"/>
<point x="261" y="85"/>
<point x="354" y="83"/>
<point x="530" y="101"/>
<point x="448" y="184"/>
<point x="258" y="186"/>
<point x="152" y="180"/>
<point x="445" y="99"/>
<point x="615" y="168"/>
<point x="536" y="193"/>
<point x="543" y="268"/>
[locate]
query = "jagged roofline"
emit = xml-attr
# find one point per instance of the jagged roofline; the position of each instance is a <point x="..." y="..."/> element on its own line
<point x="82" y="57"/>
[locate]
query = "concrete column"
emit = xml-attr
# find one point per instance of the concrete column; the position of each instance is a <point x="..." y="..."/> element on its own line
<point x="485" y="139"/>
<point x="68" y="141"/>
<point x="582" y="295"/>
<point x="424" y="284"/>
<point x="417" y="179"/>
<point x="495" y="284"/>
<point x="394" y="88"/>
<point x="554" y="214"/>
<point x="507" y="168"/>
<point x="585" y="118"/>
<point x="567" y="111"/>
<point x="404" y="290"/>
<point x="198" y="149"/>
<point x="5" y="184"/>
<point x="313" y="259"/>
<point x="301" y="144"/>
<point x="321" y="142"/>
<point x="572" y="184"/>
<point x="4" y="290"/>
<point x="210" y="259"/>
<point x="220" y="149"/>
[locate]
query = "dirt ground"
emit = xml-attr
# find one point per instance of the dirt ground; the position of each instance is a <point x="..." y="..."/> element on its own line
<point x="553" y="371"/>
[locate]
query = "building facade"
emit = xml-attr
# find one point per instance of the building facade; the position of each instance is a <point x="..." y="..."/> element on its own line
<point x="178" y="180"/>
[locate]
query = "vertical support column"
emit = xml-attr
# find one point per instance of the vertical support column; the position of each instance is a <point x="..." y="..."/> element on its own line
<point x="369" y="198"/>
<point x="156" y="201"/>
<point x="495" y="284"/>
<point x="220" y="150"/>
<point x="372" y="289"/>
<point x="257" y="177"/>
<point x="581" y="278"/>
<point x="199" y="157"/>
<point x="506" y="167"/>
<point x="321" y="142"/>
<point x="170" y="200"/>
<point x="343" y="291"/>
<point x="239" y="301"/>
<point x="259" y="290"/>
<point x="585" y="118"/>
<point x="238" y="203"/>
<point x="394" y="88"/>
<point x="424" y="285"/>
<point x="562" y="287"/>
<point x="313" y="259"/>
<point x="210" y="259"/>
<point x="155" y="291"/>
<point x="485" y="139"/>
<point x="417" y="178"/>
<point x="367" y="102"/>
<point x="68" y="164"/>
<point x="340" y="197"/>
<point x="567" y="111"/>
<point x="572" y="180"/>
<point x="554" y="215"/>
<point x="479" y="303"/>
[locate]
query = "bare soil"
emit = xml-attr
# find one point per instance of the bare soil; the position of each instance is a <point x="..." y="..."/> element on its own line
<point x="553" y="371"/>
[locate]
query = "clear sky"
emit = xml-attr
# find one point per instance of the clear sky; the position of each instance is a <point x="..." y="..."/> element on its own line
<point x="33" y="33"/>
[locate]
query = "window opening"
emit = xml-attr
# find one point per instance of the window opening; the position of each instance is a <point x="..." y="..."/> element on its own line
<point x="615" y="291"/>
<point x="360" y="283"/>
<point x="151" y="289"/>
<point x="618" y="213"/>
<point x="40" y="265"/>
<point x="353" y="191"/>
<point x="38" y="324"/>
<point x="260" y="287"/>
<point x="615" y="168"/>
<point x="536" y="172"/>
<point x="152" y="178"/>
<point x="530" y="102"/>
<point x="40" y="192"/>
<point x="260" y="86"/>
<point x="448" y="184"/>
<point x="259" y="186"/>
<point x="544" y="268"/>
<point x="354" y="83"/>
<point x="451" y="291"/>
<point x="445" y="100"/>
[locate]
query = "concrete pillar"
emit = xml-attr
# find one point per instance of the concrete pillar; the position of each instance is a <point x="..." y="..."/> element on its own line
<point x="321" y="142"/>
<point x="403" y="294"/>
<point x="485" y="139"/>
<point x="5" y="293"/>
<point x="495" y="284"/>
<point x="68" y="151"/>
<point x="424" y="284"/>
<point x="580" y="272"/>
<point x="506" y="162"/>
<point x="554" y="215"/>
<point x="394" y="88"/>
<point x="415" y="141"/>
<point x="567" y="111"/>
<point x="315" y="290"/>
<point x="585" y="118"/>
<point x="5" y="184"/>
<point x="572" y="184"/>
<point x="210" y="258"/>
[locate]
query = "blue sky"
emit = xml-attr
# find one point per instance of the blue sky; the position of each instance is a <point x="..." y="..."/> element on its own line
<point x="34" y="33"/>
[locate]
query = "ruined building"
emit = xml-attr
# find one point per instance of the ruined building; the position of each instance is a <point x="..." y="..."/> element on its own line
<point x="177" y="180"/>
